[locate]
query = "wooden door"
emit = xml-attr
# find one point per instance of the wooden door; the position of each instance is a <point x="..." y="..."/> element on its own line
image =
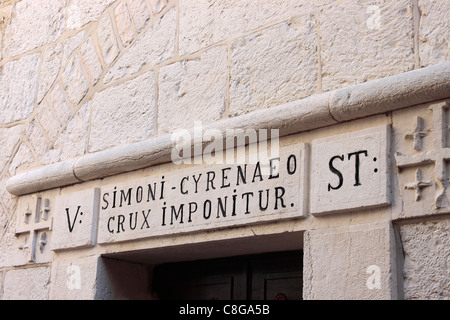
<point x="259" y="277"/>
<point x="277" y="276"/>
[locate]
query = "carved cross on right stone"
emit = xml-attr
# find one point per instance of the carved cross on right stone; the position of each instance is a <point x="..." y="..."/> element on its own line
<point x="439" y="156"/>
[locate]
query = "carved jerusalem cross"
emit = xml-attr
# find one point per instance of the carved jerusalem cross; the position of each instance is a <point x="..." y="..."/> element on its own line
<point x="33" y="222"/>
<point x="438" y="156"/>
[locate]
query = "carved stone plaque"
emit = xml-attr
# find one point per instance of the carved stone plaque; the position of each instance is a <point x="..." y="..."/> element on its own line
<point x="76" y="217"/>
<point x="350" y="171"/>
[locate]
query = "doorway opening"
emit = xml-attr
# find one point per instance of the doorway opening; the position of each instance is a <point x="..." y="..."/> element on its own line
<point x="270" y="276"/>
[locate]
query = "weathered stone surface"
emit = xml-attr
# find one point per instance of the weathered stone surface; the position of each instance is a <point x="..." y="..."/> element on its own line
<point x="75" y="222"/>
<point x="60" y="105"/>
<point x="51" y="63"/>
<point x="23" y="157"/>
<point x="123" y="114"/>
<point x="27" y="284"/>
<point x="351" y="262"/>
<point x="35" y="23"/>
<point x="5" y="14"/>
<point x="71" y="44"/>
<point x="19" y="79"/>
<point x="434" y="31"/>
<point x="46" y="118"/>
<point x="74" y="81"/>
<point x="273" y="66"/>
<point x="123" y="22"/>
<point x="9" y="137"/>
<point x="91" y="61"/>
<point x="7" y="239"/>
<point x="156" y="44"/>
<point x="158" y="5"/>
<point x="203" y="23"/>
<point x="350" y="171"/>
<point x="266" y="188"/>
<point x="139" y="12"/>
<point x="1" y="277"/>
<point x="72" y="142"/>
<point x="36" y="138"/>
<point x="9" y="202"/>
<point x="96" y="278"/>
<point x="426" y="272"/>
<point x="81" y="12"/>
<point x="75" y="279"/>
<point x="107" y="40"/>
<point x="192" y="91"/>
<point x="133" y="279"/>
<point x="362" y="41"/>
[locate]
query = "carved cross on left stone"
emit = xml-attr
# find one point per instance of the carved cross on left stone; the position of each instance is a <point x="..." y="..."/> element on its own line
<point x="417" y="134"/>
<point x="33" y="221"/>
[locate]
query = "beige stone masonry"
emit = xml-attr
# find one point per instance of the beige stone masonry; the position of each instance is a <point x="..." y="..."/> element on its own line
<point x="374" y="97"/>
<point x="362" y="252"/>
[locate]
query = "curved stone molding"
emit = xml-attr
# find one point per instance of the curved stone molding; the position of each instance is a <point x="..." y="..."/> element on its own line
<point x="49" y="177"/>
<point x="370" y="98"/>
<point x="391" y="93"/>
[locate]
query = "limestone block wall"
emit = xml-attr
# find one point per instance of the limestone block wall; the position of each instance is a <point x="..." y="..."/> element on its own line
<point x="81" y="76"/>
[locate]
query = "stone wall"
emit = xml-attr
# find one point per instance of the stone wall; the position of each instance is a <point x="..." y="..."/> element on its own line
<point x="426" y="270"/>
<point x="81" y="76"/>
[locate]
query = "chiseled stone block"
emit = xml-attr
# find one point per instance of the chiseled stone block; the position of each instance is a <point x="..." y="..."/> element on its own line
<point x="192" y="91"/>
<point x="203" y="23"/>
<point x="350" y="171"/>
<point x="139" y="13"/>
<point x="35" y="23"/>
<point x="123" y="114"/>
<point x="81" y="12"/>
<point x="72" y="141"/>
<point x="273" y="66"/>
<point x="123" y="22"/>
<point x="365" y="40"/>
<point x="74" y="81"/>
<point x="107" y="40"/>
<point x="18" y="89"/>
<point x="91" y="61"/>
<point x="27" y="284"/>
<point x="75" y="219"/>
<point x="434" y="31"/>
<point x="9" y="137"/>
<point x="427" y="257"/>
<point x="353" y="262"/>
<point x="51" y="63"/>
<point x="71" y="44"/>
<point x="77" y="278"/>
<point x="154" y="46"/>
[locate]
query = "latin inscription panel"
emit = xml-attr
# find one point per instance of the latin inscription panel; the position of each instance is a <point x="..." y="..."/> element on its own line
<point x="350" y="171"/>
<point x="205" y="197"/>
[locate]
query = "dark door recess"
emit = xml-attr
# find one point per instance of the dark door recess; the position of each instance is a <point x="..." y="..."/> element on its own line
<point x="274" y="276"/>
